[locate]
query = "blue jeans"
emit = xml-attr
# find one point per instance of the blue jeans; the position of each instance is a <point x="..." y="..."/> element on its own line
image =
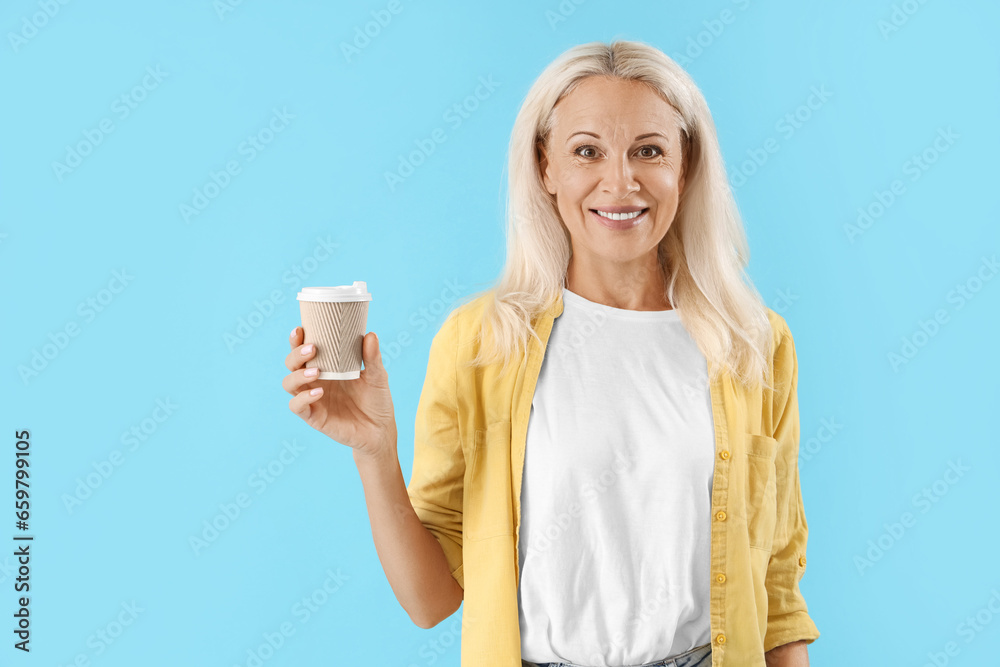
<point x="699" y="656"/>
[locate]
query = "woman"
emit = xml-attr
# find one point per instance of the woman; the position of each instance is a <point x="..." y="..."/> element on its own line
<point x="605" y="458"/>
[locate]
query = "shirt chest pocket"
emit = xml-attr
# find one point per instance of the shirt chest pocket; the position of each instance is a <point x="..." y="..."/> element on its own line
<point x="761" y="490"/>
<point x="488" y="508"/>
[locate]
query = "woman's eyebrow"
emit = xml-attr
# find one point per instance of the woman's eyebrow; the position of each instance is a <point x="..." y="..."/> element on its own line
<point x="638" y="138"/>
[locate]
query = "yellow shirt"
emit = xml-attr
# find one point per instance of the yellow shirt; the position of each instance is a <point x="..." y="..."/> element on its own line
<point x="469" y="438"/>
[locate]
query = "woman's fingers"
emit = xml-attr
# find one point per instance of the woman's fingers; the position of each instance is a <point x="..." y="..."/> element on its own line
<point x="301" y="403"/>
<point x="299" y="356"/>
<point x="292" y="383"/>
<point x="301" y="400"/>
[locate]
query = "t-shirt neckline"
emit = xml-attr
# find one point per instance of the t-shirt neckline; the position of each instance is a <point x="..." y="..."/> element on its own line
<point x="620" y="313"/>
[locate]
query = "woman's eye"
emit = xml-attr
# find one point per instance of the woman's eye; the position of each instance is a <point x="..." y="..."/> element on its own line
<point x="644" y="152"/>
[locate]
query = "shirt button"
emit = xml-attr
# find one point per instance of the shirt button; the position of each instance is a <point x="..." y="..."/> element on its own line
<point x="721" y="578"/>
<point x="720" y="515"/>
<point x="720" y="639"/>
<point x="724" y="454"/>
<point x="802" y="561"/>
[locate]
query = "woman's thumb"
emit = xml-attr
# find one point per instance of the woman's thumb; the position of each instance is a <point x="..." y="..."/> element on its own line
<point x="371" y="352"/>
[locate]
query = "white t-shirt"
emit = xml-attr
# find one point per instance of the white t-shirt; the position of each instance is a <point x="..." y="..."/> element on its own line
<point x="614" y="543"/>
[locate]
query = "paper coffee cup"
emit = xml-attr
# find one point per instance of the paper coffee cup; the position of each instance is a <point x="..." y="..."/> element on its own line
<point x="335" y="319"/>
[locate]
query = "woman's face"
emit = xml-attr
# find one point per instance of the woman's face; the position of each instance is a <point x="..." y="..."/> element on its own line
<point x="614" y="148"/>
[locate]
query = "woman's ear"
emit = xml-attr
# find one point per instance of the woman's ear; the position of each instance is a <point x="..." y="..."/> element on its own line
<point x="685" y="164"/>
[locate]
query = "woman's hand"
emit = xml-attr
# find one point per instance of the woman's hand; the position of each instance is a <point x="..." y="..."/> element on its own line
<point x="357" y="413"/>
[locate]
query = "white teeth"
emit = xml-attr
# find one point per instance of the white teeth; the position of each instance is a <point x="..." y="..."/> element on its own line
<point x="619" y="216"/>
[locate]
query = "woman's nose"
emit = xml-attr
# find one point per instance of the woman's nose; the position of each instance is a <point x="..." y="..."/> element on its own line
<point x="619" y="178"/>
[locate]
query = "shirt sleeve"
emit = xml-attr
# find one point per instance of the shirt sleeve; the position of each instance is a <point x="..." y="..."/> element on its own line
<point x="436" y="483"/>
<point x="788" y="618"/>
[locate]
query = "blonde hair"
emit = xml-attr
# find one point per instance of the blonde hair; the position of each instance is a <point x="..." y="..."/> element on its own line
<point x="703" y="255"/>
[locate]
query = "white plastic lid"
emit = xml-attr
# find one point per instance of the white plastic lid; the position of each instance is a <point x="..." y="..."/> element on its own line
<point x="356" y="292"/>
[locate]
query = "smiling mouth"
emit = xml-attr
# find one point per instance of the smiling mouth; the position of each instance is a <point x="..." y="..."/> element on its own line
<point x="617" y="217"/>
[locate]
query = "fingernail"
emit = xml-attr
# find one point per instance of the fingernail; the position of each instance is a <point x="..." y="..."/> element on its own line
<point x="309" y="372"/>
<point x="316" y="391"/>
<point x="306" y="349"/>
<point x="294" y="331"/>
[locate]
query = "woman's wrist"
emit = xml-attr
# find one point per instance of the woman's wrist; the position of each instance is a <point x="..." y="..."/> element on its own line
<point x="377" y="454"/>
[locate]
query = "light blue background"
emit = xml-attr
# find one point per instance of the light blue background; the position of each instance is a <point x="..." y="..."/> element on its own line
<point x="436" y="236"/>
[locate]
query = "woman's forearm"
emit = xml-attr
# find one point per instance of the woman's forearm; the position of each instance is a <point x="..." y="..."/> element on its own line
<point x="794" y="654"/>
<point x="412" y="558"/>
